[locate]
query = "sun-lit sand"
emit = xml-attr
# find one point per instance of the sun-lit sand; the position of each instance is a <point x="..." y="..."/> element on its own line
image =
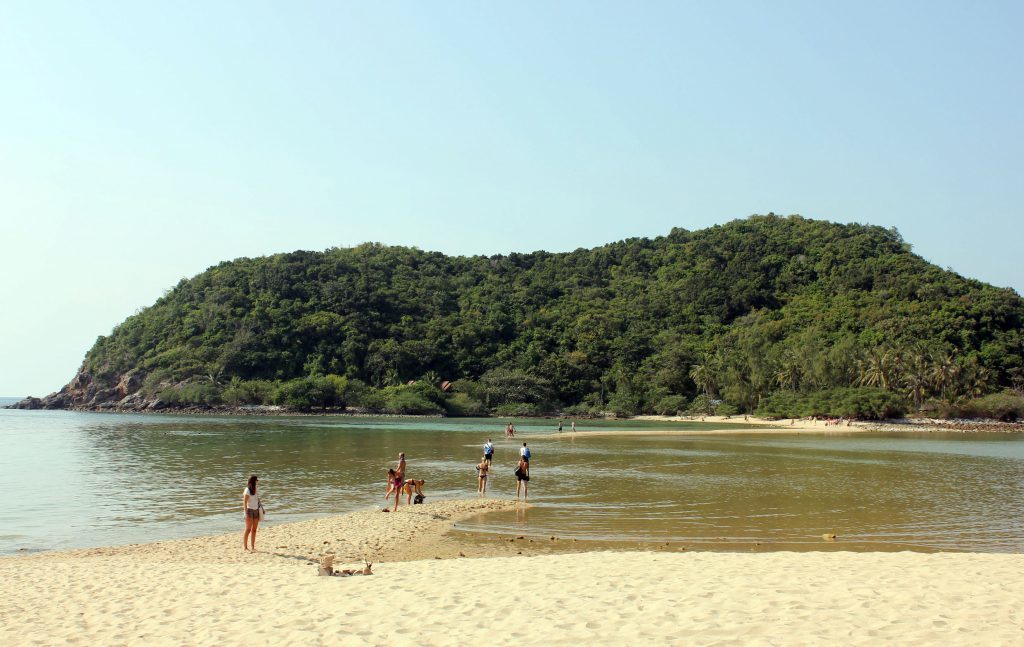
<point x="206" y="591"/>
<point x="722" y="424"/>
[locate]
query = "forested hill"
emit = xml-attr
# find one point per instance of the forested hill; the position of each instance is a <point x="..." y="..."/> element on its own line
<point x="764" y="312"/>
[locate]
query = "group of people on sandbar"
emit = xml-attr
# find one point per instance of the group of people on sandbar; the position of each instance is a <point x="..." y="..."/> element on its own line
<point x="571" y="428"/>
<point x="397" y="484"/>
<point x="522" y="471"/>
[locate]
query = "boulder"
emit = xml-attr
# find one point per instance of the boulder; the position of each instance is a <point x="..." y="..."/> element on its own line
<point x="28" y="403"/>
<point x="129" y="383"/>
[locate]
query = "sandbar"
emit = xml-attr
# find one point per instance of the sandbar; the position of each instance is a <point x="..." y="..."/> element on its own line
<point x="206" y="591"/>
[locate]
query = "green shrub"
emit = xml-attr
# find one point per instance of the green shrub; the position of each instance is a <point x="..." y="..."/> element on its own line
<point x="156" y="381"/>
<point x="501" y="386"/>
<point x="304" y="393"/>
<point x="1007" y="406"/>
<point x="407" y="400"/>
<point x="626" y="402"/>
<point x="781" y="404"/>
<point x="356" y="393"/>
<point x="372" y="400"/>
<point x="191" y="394"/>
<point x="702" y="405"/>
<point x="726" y="409"/>
<point x="671" y="405"/>
<point x="848" y="402"/>
<point x="462" y="405"/>
<point x="518" y="410"/>
<point x="240" y="392"/>
<point x="583" y="409"/>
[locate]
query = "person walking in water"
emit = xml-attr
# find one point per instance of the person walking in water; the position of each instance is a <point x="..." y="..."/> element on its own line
<point x="524" y="453"/>
<point x="573" y="426"/>
<point x="251" y="509"/>
<point x="559" y="425"/>
<point x="488" y="451"/>
<point x="522" y="477"/>
<point x="482" y="468"/>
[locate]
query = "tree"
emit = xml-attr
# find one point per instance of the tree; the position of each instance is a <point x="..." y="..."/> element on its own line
<point x="917" y="379"/>
<point x="944" y="374"/>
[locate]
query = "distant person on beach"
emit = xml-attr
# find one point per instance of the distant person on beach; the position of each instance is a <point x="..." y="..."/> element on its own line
<point x="251" y="509"/>
<point x="481" y="471"/>
<point x="488" y="451"/>
<point x="573" y="426"/>
<point x="524" y="453"/>
<point x="559" y="425"/>
<point x="510" y="431"/>
<point x="522" y="477"/>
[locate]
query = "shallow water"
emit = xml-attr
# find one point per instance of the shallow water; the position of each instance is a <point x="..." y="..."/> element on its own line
<point x="87" y="479"/>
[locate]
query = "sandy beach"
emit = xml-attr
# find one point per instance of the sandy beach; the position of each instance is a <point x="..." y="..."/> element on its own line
<point x="723" y="425"/>
<point x="206" y="591"/>
<point x="753" y="425"/>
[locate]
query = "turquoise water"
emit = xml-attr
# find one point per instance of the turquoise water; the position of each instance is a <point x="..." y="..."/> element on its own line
<point x="87" y="479"/>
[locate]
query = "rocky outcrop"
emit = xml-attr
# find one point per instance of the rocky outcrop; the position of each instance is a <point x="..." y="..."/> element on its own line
<point x="88" y="392"/>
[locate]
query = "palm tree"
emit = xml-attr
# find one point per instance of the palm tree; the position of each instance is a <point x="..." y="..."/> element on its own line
<point x="972" y="378"/>
<point x="705" y="376"/>
<point x="391" y="378"/>
<point x="432" y="378"/>
<point x="879" y="369"/>
<point x="944" y="373"/>
<point x="917" y="379"/>
<point x="788" y="377"/>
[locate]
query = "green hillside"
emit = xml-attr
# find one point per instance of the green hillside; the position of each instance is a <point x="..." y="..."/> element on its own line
<point x="783" y="313"/>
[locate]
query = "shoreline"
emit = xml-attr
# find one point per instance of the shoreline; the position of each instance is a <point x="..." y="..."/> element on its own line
<point x="427" y="588"/>
<point x="771" y="426"/>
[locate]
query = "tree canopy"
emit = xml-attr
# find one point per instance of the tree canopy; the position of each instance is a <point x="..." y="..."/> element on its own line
<point x="735" y="313"/>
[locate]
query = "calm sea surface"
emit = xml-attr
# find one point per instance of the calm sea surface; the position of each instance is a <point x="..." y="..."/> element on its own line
<point x="87" y="479"/>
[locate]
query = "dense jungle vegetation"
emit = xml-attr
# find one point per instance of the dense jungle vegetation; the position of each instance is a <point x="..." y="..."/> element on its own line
<point x="783" y="316"/>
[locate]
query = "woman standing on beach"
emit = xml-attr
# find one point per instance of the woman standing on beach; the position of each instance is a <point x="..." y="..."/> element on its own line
<point x="396" y="479"/>
<point x="481" y="469"/>
<point x="251" y="509"/>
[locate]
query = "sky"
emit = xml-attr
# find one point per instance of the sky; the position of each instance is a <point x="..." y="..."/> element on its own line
<point x="141" y="143"/>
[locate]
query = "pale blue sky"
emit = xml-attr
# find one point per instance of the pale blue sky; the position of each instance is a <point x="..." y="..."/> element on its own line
<point x="143" y="142"/>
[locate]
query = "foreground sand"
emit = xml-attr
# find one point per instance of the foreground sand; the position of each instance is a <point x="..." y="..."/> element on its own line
<point x="205" y="591"/>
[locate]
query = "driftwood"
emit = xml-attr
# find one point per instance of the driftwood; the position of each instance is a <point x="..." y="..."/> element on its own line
<point x="326" y="565"/>
<point x="327" y="568"/>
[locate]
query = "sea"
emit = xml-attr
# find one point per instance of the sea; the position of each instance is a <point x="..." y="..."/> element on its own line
<point x="76" y="479"/>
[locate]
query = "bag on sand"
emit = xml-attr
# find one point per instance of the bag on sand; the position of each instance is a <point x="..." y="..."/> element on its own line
<point x="263" y="512"/>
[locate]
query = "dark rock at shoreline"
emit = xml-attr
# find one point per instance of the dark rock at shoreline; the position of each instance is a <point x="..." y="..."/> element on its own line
<point x="28" y="403"/>
<point x="87" y="392"/>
